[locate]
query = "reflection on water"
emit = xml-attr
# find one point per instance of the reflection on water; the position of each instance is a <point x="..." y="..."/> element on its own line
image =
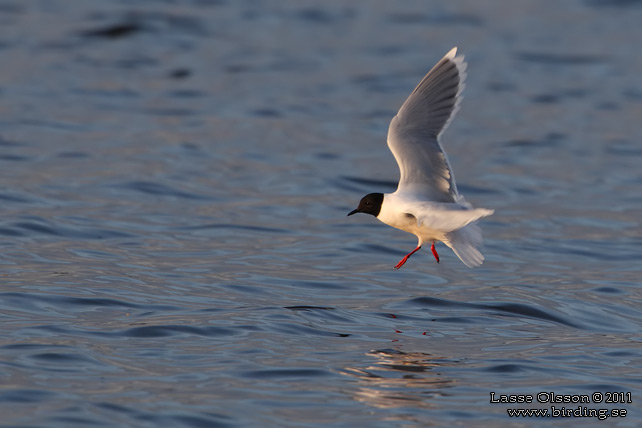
<point x="398" y="379"/>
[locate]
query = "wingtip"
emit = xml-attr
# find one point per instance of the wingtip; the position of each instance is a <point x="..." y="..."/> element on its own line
<point x="457" y="59"/>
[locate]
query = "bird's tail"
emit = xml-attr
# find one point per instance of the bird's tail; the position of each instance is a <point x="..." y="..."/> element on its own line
<point x="465" y="242"/>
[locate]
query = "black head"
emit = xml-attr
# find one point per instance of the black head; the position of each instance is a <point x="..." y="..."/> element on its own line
<point x="370" y="204"/>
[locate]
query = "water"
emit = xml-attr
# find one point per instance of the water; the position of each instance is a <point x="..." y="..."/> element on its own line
<point x="175" y="182"/>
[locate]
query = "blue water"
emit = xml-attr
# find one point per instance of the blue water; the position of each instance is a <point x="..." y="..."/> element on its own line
<point x="175" y="179"/>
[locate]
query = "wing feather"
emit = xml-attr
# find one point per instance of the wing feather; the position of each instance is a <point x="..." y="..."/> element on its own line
<point x="414" y="133"/>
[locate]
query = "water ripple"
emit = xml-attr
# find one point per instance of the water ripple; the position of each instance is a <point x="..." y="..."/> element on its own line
<point x="32" y="225"/>
<point x="114" y="31"/>
<point x="159" y="189"/>
<point x="228" y="226"/>
<point x="287" y="373"/>
<point x="6" y="197"/>
<point x="36" y="302"/>
<point x="172" y="330"/>
<point x="25" y="396"/>
<point x="519" y="309"/>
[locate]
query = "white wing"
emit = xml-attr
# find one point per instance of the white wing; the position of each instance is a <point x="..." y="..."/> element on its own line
<point x="413" y="136"/>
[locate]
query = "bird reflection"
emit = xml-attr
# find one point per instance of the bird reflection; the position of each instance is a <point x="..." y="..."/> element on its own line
<point x="399" y="379"/>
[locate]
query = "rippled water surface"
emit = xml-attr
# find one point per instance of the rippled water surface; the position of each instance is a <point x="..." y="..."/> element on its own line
<point x="175" y="178"/>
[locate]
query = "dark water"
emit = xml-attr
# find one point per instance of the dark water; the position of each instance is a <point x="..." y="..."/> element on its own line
<point x="175" y="177"/>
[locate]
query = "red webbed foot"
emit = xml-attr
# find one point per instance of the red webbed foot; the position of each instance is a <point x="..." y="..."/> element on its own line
<point x="406" y="257"/>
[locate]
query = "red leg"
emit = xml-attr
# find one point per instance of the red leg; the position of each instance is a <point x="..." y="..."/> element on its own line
<point x="434" y="252"/>
<point x="405" y="259"/>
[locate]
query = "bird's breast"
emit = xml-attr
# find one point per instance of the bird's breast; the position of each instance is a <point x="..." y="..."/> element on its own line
<point x="400" y="220"/>
<point x="394" y="214"/>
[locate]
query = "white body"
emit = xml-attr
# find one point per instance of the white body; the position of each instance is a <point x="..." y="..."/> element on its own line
<point x="451" y="223"/>
<point x="427" y="203"/>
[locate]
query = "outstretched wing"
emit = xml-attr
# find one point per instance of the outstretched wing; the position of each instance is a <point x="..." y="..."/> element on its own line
<point x="413" y="136"/>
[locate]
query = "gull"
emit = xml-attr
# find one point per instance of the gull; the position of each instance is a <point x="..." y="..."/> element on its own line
<point x="426" y="202"/>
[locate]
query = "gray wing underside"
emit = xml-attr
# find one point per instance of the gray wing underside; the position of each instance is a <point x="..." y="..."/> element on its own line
<point x="413" y="136"/>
